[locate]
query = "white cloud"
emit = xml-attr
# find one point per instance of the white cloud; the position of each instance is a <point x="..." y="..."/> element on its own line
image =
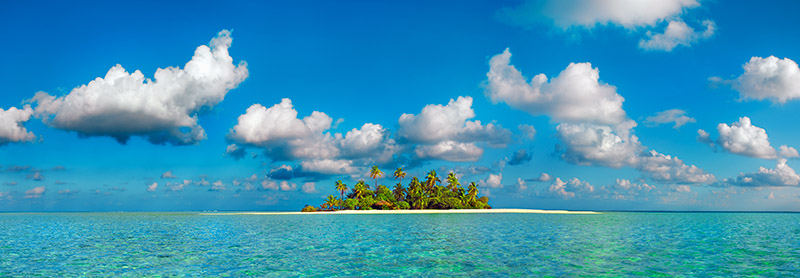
<point x="163" y="110"/>
<point x="682" y="188"/>
<point x="777" y="80"/>
<point x="152" y="187"/>
<point x="569" y="189"/>
<point x="788" y="152"/>
<point x="284" y="136"/>
<point x="37" y="176"/>
<point x="527" y="130"/>
<point x="704" y="137"/>
<point x="591" y="144"/>
<point x="666" y="168"/>
<point x="782" y="175"/>
<point x="624" y="189"/>
<point x="269" y="184"/>
<point x="676" y="116"/>
<point x="35" y="192"/>
<point x="575" y="95"/>
<point x="445" y="131"/>
<point x="493" y="181"/>
<point x="287" y="186"/>
<point x="676" y="34"/>
<point x="12" y="127"/>
<point x="521" y="186"/>
<point x="450" y="151"/>
<point x="544" y="177"/>
<point x="217" y="186"/>
<point x="309" y="188"/>
<point x="744" y="138"/>
<point x="328" y="166"/>
<point x="630" y="14"/>
<point x="178" y="186"/>
<point x="168" y="175"/>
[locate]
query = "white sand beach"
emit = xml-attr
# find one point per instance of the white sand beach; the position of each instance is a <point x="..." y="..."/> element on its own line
<point x="424" y="211"/>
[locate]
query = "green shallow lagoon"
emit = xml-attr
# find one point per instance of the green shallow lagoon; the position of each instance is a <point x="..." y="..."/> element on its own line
<point x="464" y="245"/>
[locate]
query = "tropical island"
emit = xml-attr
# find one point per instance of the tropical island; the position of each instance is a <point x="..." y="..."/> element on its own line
<point x="420" y="194"/>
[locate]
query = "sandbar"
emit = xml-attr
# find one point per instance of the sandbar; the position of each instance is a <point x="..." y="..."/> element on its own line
<point x="420" y="211"/>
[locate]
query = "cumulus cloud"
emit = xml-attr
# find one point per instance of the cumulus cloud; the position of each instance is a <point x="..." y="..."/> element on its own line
<point x="520" y="185"/>
<point x="676" y="34"/>
<point x="328" y="166"/>
<point x="624" y="189"/>
<point x="593" y="127"/>
<point x="773" y="79"/>
<point x="493" y="181"/>
<point x="12" y="129"/>
<point x="788" y="152"/>
<point x="744" y="138"/>
<point x="284" y="136"/>
<point x="287" y="186"/>
<point x="782" y="175"/>
<point x="544" y="177"/>
<point x="527" y="130"/>
<point x="178" y="186"/>
<point x="217" y="186"/>
<point x="704" y="137"/>
<point x="575" y="95"/>
<point x="676" y="116"/>
<point x="35" y="193"/>
<point x="309" y="188"/>
<point x="168" y="175"/>
<point x="37" y="176"/>
<point x="162" y="110"/>
<point x="629" y="14"/>
<point x="152" y="187"/>
<point x="520" y="157"/>
<point x="445" y="132"/>
<point x="567" y="190"/>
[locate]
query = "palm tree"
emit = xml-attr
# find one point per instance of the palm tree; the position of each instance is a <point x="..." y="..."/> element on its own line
<point x="375" y="173"/>
<point x="399" y="174"/>
<point x="399" y="192"/>
<point x="360" y="188"/>
<point x="452" y="182"/>
<point x="472" y="193"/>
<point x="330" y="202"/>
<point x="431" y="179"/>
<point x="341" y="187"/>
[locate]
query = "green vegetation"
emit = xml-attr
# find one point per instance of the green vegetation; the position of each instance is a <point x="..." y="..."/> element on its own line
<point x="420" y="194"/>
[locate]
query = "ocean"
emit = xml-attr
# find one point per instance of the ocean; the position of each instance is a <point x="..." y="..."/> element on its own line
<point x="417" y="245"/>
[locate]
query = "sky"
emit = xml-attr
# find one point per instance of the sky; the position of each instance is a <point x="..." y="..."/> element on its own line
<point x="591" y="105"/>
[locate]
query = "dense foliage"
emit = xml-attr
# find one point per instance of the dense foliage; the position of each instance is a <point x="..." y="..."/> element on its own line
<point x="420" y="194"/>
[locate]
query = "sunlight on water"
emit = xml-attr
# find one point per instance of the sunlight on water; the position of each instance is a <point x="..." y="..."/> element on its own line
<point x="609" y="244"/>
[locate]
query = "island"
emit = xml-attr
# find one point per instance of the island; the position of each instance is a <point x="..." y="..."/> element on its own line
<point x="420" y="194"/>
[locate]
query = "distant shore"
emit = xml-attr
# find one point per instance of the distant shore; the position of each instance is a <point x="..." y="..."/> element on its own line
<point x="404" y="211"/>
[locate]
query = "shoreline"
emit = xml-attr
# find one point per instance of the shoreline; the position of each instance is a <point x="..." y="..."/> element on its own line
<point x="421" y="211"/>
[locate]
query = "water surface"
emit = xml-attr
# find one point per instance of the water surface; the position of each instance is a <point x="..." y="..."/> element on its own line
<point x="478" y="245"/>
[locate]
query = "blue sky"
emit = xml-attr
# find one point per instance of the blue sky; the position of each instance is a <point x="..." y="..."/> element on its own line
<point x="446" y="86"/>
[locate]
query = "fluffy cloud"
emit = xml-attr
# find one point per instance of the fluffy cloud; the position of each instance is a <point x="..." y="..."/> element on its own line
<point x="591" y="144"/>
<point x="12" y="129"/>
<point x="527" y="130"/>
<point x="676" y="116"/>
<point x="782" y="175"/>
<point x="35" y="192"/>
<point x="575" y="95"/>
<point x="37" y="176"/>
<point x="152" y="187"/>
<point x="788" y="152"/>
<point x="309" y="188"/>
<point x="594" y="129"/>
<point x="568" y="189"/>
<point x="744" y="138"/>
<point x="704" y="137"/>
<point x="493" y="181"/>
<point x="629" y="14"/>
<point x="284" y="136"/>
<point x="162" y="110"/>
<point x="217" y="186"/>
<point x="328" y="167"/>
<point x="519" y="157"/>
<point x="168" y="175"/>
<point x="544" y="177"/>
<point x="676" y="34"/>
<point x="445" y="132"/>
<point x="520" y="185"/>
<point x="624" y="189"/>
<point x="777" y="80"/>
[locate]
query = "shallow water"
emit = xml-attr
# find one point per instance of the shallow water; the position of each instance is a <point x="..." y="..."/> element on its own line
<point x="481" y="245"/>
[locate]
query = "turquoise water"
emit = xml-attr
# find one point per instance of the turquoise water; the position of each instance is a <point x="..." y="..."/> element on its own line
<point x="478" y="245"/>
